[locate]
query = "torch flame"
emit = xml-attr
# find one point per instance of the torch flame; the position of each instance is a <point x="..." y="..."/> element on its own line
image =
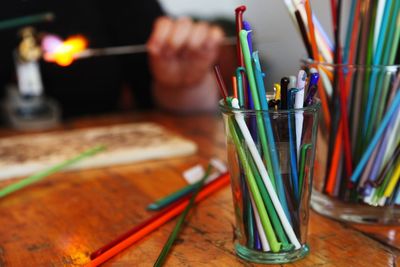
<point x="64" y="52"/>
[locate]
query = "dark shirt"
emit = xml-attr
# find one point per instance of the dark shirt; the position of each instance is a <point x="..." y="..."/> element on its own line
<point x="91" y="85"/>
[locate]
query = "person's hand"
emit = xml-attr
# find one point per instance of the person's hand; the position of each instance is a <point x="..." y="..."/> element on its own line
<point x="182" y="51"/>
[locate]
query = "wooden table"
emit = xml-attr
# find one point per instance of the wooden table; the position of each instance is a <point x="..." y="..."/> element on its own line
<point x="60" y="221"/>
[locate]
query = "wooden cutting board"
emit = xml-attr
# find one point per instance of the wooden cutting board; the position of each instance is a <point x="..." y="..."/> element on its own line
<point x="127" y="143"/>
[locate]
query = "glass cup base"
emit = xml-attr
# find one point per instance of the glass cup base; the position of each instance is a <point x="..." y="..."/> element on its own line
<point x="352" y="212"/>
<point x="271" y="258"/>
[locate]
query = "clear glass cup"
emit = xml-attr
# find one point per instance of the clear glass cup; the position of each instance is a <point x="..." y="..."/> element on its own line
<point x="271" y="168"/>
<point x="355" y="179"/>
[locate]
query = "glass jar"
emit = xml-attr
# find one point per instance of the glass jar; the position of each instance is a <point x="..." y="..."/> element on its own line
<point x="358" y="163"/>
<point x="271" y="176"/>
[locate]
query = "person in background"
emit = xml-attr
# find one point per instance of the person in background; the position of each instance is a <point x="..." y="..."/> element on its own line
<point x="175" y="74"/>
<point x="181" y="54"/>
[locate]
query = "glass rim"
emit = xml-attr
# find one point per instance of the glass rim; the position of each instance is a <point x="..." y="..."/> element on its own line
<point x="315" y="107"/>
<point x="310" y="61"/>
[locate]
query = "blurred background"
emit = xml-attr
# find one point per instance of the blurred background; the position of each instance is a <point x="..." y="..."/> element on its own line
<point x="104" y="84"/>
<point x="276" y="36"/>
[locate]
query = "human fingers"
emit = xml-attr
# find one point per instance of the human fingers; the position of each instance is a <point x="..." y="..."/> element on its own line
<point x="201" y="60"/>
<point x="214" y="38"/>
<point x="161" y="31"/>
<point x="180" y="33"/>
<point x="198" y="36"/>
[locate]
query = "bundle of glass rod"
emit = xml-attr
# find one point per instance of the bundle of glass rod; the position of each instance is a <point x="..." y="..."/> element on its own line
<point x="360" y="94"/>
<point x="271" y="146"/>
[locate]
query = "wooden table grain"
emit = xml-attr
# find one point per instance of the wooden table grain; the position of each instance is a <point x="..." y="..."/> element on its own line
<point x="61" y="220"/>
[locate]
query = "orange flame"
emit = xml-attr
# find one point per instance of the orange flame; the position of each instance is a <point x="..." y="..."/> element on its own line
<point x="65" y="53"/>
